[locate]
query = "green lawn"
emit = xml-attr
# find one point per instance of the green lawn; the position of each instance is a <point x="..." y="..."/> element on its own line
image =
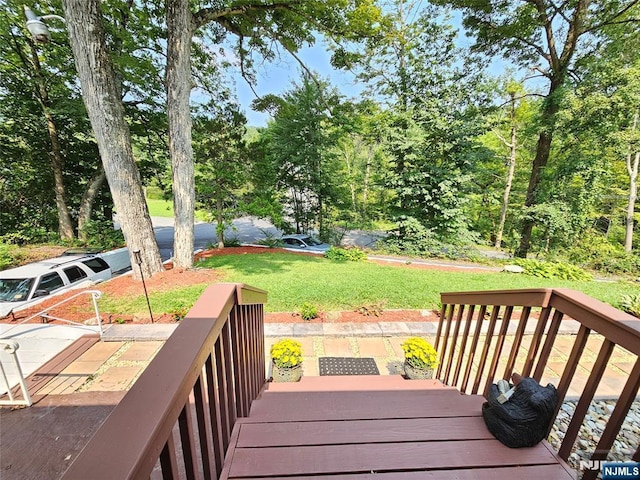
<point x="292" y="280"/>
<point x="160" y="208"/>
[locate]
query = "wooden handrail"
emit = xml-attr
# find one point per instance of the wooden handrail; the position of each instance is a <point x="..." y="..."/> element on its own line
<point x="459" y="343"/>
<point x="197" y="381"/>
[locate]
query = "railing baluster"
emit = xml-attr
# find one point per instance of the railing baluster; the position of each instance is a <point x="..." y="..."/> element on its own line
<point x="517" y="342"/>
<point x="472" y="350"/>
<point x="502" y="333"/>
<point x="227" y="354"/>
<point x="236" y="343"/>
<point x="243" y="371"/>
<point x="262" y="375"/>
<point x="253" y="348"/>
<point x="585" y="399"/>
<point x="535" y="341"/>
<point x="445" y="323"/>
<point x="214" y="415"/>
<point x="223" y="393"/>
<point x="443" y="311"/>
<point x="463" y="346"/>
<point x="454" y="341"/>
<point x="204" y="430"/>
<point x="186" y="438"/>
<point x="548" y="345"/>
<point x="485" y="350"/>
<point x="168" y="460"/>
<point x="623" y="404"/>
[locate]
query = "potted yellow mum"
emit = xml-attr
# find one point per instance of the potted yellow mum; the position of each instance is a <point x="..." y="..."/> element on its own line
<point x="286" y="359"/>
<point x="420" y="358"/>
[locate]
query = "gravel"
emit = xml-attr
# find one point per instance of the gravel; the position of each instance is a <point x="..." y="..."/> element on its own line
<point x="592" y="428"/>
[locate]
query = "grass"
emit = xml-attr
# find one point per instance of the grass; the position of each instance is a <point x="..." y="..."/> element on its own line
<point x="292" y="280"/>
<point x="160" y="208"/>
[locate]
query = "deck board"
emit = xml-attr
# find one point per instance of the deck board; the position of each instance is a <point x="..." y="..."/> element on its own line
<point x="364" y="405"/>
<point x="393" y="434"/>
<point x="538" y="472"/>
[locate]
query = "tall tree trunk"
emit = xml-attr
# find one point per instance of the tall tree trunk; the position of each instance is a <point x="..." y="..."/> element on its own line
<point x="96" y="72"/>
<point x="220" y="225"/>
<point x="86" y="204"/>
<point x="365" y="188"/>
<point x="510" y="172"/>
<point x="632" y="169"/>
<point x="543" y="149"/>
<point x="179" y="84"/>
<point x="65" y="224"/>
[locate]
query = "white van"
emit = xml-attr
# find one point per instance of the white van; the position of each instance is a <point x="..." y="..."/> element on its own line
<point x="23" y="285"/>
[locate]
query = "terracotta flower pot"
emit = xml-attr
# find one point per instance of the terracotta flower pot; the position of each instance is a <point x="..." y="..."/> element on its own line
<point x="413" y="373"/>
<point x="283" y="374"/>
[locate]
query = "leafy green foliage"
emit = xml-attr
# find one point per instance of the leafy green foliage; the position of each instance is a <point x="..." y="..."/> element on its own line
<point x="101" y="234"/>
<point x="630" y="304"/>
<point x="411" y="238"/>
<point x="286" y="353"/>
<point x="564" y="271"/>
<point x="6" y="257"/>
<point x="419" y="353"/>
<point x="346" y="254"/>
<point x="308" y="311"/>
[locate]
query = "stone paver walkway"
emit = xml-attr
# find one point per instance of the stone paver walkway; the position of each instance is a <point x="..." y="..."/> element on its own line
<point x="114" y="364"/>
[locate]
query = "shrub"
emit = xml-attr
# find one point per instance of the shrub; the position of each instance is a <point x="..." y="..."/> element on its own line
<point x="630" y="304"/>
<point x="101" y="234"/>
<point x="308" y="311"/>
<point x="6" y="257"/>
<point x="419" y="353"/>
<point x="345" y="254"/>
<point x="564" y="271"/>
<point x="411" y="238"/>
<point x="596" y="252"/>
<point x="231" y="242"/>
<point x="286" y="353"/>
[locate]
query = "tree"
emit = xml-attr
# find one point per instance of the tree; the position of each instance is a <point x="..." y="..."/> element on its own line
<point x="101" y="97"/>
<point x="258" y="26"/>
<point x="300" y="146"/>
<point x="430" y="86"/>
<point x="221" y="163"/>
<point x="534" y="33"/>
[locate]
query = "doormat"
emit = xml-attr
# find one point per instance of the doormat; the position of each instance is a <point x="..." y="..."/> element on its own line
<point x="347" y="366"/>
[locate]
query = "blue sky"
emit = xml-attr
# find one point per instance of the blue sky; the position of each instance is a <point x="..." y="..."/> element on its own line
<point x="278" y="77"/>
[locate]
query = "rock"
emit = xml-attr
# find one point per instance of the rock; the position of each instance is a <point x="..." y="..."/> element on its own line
<point x="513" y="269"/>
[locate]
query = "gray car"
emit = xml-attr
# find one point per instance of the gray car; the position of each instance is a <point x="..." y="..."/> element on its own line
<point x="305" y="242"/>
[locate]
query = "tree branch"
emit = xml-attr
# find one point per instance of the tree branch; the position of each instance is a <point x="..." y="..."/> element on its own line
<point x="206" y="15"/>
<point x="611" y="21"/>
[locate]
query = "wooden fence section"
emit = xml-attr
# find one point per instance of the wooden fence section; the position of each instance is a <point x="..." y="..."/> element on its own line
<point x="471" y="341"/>
<point x="177" y="419"/>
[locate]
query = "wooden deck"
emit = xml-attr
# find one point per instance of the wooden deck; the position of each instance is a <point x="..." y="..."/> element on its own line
<point x="379" y="428"/>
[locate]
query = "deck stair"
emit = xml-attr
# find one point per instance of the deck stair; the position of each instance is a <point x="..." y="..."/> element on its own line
<point x="377" y="428"/>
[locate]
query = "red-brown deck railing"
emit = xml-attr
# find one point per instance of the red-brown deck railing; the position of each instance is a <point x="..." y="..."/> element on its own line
<point x="178" y="416"/>
<point x="471" y="339"/>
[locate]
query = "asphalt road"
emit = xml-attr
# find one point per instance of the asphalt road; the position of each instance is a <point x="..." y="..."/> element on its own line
<point x="245" y="229"/>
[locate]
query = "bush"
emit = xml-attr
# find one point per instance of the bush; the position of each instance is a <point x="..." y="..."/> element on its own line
<point x="594" y="251"/>
<point x="345" y="254"/>
<point x="6" y="257"/>
<point x="630" y="304"/>
<point x="286" y="353"/>
<point x="308" y="311"/>
<point x="231" y="242"/>
<point x="564" y="271"/>
<point x="101" y="234"/>
<point x="411" y="238"/>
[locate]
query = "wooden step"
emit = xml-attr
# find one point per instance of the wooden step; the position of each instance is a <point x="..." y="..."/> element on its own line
<point x="354" y="383"/>
<point x="362" y="405"/>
